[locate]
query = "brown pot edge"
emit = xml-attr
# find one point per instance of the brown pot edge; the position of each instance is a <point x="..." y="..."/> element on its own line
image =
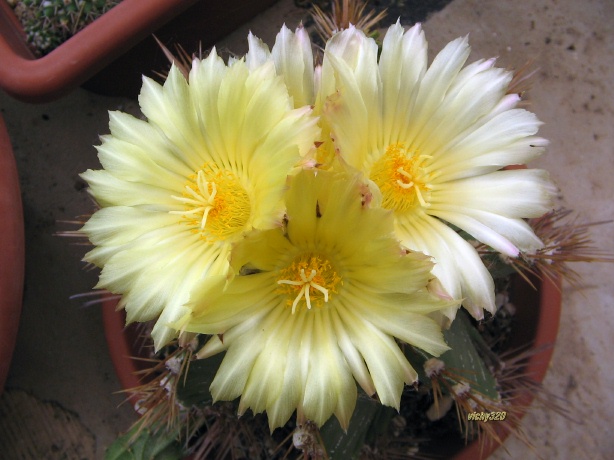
<point x="12" y="253"/>
<point x="47" y="78"/>
<point x="550" y="304"/>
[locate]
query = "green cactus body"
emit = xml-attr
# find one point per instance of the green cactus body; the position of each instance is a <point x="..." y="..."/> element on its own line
<point x="49" y="23"/>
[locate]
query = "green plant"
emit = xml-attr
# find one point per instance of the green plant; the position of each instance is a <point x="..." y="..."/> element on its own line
<point x="49" y="23"/>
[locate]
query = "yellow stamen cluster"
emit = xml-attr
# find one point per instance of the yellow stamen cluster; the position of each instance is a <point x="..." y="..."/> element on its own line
<point x="310" y="277"/>
<point x="400" y="175"/>
<point x="217" y="205"/>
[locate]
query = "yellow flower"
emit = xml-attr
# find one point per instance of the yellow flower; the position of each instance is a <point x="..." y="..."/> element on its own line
<point x="318" y="304"/>
<point x="434" y="140"/>
<point x="294" y="61"/>
<point x="209" y="165"/>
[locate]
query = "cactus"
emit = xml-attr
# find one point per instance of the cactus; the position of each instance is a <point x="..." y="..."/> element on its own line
<point x="49" y="23"/>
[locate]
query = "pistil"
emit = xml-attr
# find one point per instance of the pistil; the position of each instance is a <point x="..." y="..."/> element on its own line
<point x="308" y="272"/>
<point x="216" y="204"/>
<point x="402" y="177"/>
<point x="306" y="283"/>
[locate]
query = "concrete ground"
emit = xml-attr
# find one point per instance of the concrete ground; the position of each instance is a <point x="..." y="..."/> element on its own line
<point x="61" y="360"/>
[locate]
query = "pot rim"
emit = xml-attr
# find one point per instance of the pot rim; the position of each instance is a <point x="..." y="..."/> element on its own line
<point x="32" y="79"/>
<point x="12" y="253"/>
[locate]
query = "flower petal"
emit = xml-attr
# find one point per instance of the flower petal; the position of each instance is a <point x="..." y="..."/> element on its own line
<point x="436" y="82"/>
<point x="108" y="190"/>
<point x="294" y="61"/>
<point x="402" y="65"/>
<point x="169" y="108"/>
<point x="457" y="263"/>
<point x="505" y="139"/>
<point x="520" y="193"/>
<point x="389" y="369"/>
<point x="329" y="386"/>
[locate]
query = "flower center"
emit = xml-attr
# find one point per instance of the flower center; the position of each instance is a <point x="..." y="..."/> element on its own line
<point x="401" y="177"/>
<point x="309" y="277"/>
<point x="216" y="204"/>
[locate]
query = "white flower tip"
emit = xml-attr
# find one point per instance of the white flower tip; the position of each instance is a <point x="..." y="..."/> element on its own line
<point x="510" y="250"/>
<point x="476" y="312"/>
<point x="489" y="64"/>
<point x="436" y="288"/>
<point x="302" y="34"/>
<point x="242" y="408"/>
<point x="539" y="142"/>
<point x="196" y="62"/>
<point x="509" y="101"/>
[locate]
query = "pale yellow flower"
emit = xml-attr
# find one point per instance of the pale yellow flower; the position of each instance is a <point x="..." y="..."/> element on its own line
<point x="294" y="61"/>
<point x="209" y="165"/>
<point x="434" y="140"/>
<point x="317" y="305"/>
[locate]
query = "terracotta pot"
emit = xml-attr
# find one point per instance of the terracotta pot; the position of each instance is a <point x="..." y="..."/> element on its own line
<point x="12" y="253"/>
<point x="124" y="344"/>
<point x="198" y="28"/>
<point x="538" y="312"/>
<point x="99" y="44"/>
<point x="536" y="322"/>
<point x="39" y="80"/>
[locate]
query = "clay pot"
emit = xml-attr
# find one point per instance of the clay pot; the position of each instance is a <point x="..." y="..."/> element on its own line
<point x="79" y="58"/>
<point x="120" y="37"/>
<point x="12" y="253"/>
<point x="538" y="310"/>
<point x="124" y="343"/>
